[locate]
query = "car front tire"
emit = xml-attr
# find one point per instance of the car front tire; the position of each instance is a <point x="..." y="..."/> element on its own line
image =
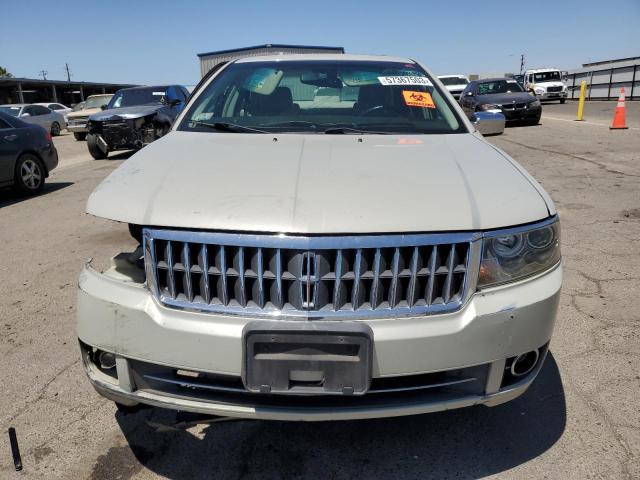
<point x="562" y="100"/>
<point x="55" y="129"/>
<point x="29" y="175"/>
<point x="80" y="136"/>
<point x="96" y="152"/>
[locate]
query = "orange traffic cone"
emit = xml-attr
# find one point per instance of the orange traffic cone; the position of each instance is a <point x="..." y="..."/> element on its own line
<point x="619" y="117"/>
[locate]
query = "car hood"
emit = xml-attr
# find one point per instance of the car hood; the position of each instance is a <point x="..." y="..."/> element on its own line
<point x="518" y="97"/>
<point x="136" y="111"/>
<point x="320" y="184"/>
<point x="83" y="113"/>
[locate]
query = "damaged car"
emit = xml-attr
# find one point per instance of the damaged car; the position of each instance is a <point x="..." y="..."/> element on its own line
<point x="320" y="237"/>
<point x="134" y="118"/>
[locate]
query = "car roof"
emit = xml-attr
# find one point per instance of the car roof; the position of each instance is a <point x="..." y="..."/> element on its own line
<point x="452" y="76"/>
<point x="15" y="122"/>
<point x="539" y="70"/>
<point x="324" y="57"/>
<point x="494" y="79"/>
<point x="16" y="104"/>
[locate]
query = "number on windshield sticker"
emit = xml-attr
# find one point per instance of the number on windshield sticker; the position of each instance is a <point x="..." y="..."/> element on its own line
<point x="405" y="80"/>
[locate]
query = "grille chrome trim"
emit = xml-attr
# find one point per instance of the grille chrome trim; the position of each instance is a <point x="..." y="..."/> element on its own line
<point x="248" y="274"/>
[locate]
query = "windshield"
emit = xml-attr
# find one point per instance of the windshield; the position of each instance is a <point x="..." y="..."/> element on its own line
<point x="78" y="106"/>
<point x="137" y="96"/>
<point x="453" y="80"/>
<point x="499" y="86"/>
<point x="96" y="102"/>
<point x="13" y="111"/>
<point x="318" y="96"/>
<point x="546" y="77"/>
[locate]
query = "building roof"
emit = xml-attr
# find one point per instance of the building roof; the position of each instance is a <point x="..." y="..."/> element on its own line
<point x="606" y="62"/>
<point x="60" y="82"/>
<point x="270" y="45"/>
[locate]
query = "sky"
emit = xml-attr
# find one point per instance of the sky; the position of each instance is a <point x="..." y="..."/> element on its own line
<point x="146" y="42"/>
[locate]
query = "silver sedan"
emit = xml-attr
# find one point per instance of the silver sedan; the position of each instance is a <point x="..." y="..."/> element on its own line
<point x="38" y="115"/>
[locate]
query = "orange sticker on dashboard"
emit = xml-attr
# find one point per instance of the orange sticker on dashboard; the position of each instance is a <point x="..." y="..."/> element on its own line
<point x="418" y="99"/>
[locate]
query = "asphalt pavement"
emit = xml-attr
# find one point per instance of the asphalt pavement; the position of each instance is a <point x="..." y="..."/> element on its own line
<point x="580" y="419"/>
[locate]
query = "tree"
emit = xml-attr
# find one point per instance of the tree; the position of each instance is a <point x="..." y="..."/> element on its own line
<point x="5" y="73"/>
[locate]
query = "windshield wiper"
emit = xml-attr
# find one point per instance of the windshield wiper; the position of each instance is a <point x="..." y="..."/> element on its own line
<point x="345" y="130"/>
<point x="290" y="123"/>
<point x="228" y="127"/>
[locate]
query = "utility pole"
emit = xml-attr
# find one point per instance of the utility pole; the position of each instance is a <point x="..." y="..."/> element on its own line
<point x="521" y="63"/>
<point x="44" y="74"/>
<point x="66" y="67"/>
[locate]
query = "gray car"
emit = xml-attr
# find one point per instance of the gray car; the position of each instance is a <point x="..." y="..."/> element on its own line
<point x="51" y="121"/>
<point x="501" y="94"/>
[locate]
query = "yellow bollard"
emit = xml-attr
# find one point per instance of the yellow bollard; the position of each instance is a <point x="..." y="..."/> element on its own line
<point x="583" y="94"/>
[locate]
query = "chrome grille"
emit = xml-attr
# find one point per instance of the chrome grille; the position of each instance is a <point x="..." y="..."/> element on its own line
<point x="513" y="106"/>
<point x="78" y="119"/>
<point x="554" y="89"/>
<point x="385" y="275"/>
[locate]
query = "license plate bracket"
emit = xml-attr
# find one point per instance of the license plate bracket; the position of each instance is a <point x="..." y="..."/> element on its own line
<point x="307" y="358"/>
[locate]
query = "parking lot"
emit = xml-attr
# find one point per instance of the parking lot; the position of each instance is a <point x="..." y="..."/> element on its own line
<point x="580" y="419"/>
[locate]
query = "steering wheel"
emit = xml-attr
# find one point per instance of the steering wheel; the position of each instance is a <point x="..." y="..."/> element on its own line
<point x="375" y="108"/>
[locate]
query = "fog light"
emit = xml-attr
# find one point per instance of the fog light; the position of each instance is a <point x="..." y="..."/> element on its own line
<point x="524" y="363"/>
<point x="107" y="360"/>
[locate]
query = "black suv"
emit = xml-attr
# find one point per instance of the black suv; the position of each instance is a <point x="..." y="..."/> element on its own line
<point x="134" y="117"/>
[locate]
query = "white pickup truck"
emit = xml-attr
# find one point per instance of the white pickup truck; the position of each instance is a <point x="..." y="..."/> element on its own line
<point x="546" y="84"/>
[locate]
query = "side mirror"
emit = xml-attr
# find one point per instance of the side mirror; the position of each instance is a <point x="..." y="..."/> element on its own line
<point x="469" y="94"/>
<point x="488" y="123"/>
<point x="25" y="115"/>
<point x="103" y="107"/>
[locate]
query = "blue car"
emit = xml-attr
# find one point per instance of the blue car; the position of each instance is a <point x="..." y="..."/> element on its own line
<point x="134" y="117"/>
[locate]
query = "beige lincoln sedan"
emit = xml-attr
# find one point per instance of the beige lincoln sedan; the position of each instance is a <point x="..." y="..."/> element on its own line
<point x="321" y="237"/>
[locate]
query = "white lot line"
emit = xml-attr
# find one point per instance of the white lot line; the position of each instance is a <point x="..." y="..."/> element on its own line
<point x="583" y="122"/>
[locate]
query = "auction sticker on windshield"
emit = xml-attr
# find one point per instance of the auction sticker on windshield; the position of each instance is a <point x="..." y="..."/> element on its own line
<point x="405" y="80"/>
<point x="418" y="99"/>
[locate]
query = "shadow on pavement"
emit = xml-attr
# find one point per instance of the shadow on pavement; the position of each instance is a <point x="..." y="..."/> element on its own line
<point x="467" y="443"/>
<point x="8" y="196"/>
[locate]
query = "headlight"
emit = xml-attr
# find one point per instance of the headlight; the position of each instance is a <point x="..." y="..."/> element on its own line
<point x="535" y="104"/>
<point x="510" y="256"/>
<point x="539" y="90"/>
<point x="487" y="106"/>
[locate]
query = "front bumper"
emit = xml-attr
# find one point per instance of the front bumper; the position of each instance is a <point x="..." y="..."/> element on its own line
<point x="552" y="95"/>
<point x="522" y="114"/>
<point x="123" y="318"/>
<point x="77" y="126"/>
